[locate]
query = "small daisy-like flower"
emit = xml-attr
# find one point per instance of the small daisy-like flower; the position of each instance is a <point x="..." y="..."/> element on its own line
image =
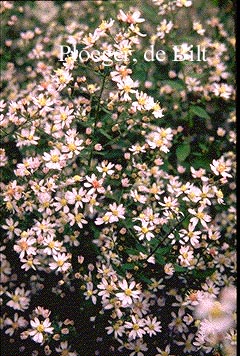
<point x="165" y="352"/>
<point x="76" y="197"/>
<point x="128" y="294"/>
<point x="60" y="263"/>
<point x="197" y="26"/>
<point x="106" y="168"/>
<point x="126" y="87"/>
<point x="222" y="90"/>
<point x="72" y="147"/>
<point x="144" y="231"/>
<point x="137" y="346"/>
<point x="39" y="329"/>
<point x="163" y="28"/>
<point x="199" y="215"/>
<point x="186" y="256"/>
<point x="136" y="327"/>
<point x="19" y="299"/>
<point x="106" y="288"/>
<point x="190" y="235"/>
<point x="94" y="184"/>
<point x="14" y="324"/>
<point x="152" y="326"/>
<point x="129" y="17"/>
<point x="27" y="137"/>
<point x="221" y="167"/>
<point x="25" y="246"/>
<point x="11" y="227"/>
<point x="136" y="149"/>
<point x="54" y="159"/>
<point x="77" y="218"/>
<point x="90" y="292"/>
<point x="181" y="3"/>
<point x="64" y="349"/>
<point x="117" y="328"/>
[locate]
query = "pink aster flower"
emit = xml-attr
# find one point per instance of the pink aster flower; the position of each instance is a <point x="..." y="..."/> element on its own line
<point x="130" y="18"/>
<point x="199" y="215"/>
<point x="128" y="294"/>
<point x="94" y="184"/>
<point x="136" y="327"/>
<point x="221" y="167"/>
<point x="60" y="263"/>
<point x="39" y="329"/>
<point x="54" y="159"/>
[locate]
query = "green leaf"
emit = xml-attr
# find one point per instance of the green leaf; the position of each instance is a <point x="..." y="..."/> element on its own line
<point x="163" y="251"/>
<point x="128" y="266"/>
<point x="174" y="84"/>
<point x="160" y="259"/>
<point x="179" y="268"/>
<point x="183" y="151"/>
<point x="202" y="275"/>
<point x="105" y="134"/>
<point x="132" y="251"/>
<point x="201" y="162"/>
<point x="203" y="146"/>
<point x="200" y="112"/>
<point x="144" y="279"/>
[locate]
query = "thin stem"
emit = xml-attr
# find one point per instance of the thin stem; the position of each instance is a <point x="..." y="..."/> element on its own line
<point x="165" y="236"/>
<point x="96" y="118"/>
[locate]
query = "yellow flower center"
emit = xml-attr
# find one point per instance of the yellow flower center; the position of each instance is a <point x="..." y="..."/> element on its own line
<point x="200" y="215"/>
<point x="42" y="101"/>
<point x="15" y="325"/>
<point x="144" y="230"/>
<point x="159" y="142"/>
<point x="63" y="202"/>
<point x="135" y="327"/>
<point x="60" y="263"/>
<point x="54" y="158"/>
<point x="40" y="328"/>
<point x="15" y="298"/>
<point x="51" y="244"/>
<point x="72" y="147"/>
<point x="216" y="311"/>
<point x="78" y="217"/>
<point x="63" y="116"/>
<point x="127" y="88"/>
<point x="116" y="326"/>
<point x="109" y="288"/>
<point x="64" y="353"/>
<point x="62" y="79"/>
<point x="219" y="194"/>
<point x="142" y="101"/>
<point x="221" y="168"/>
<point x="156" y="107"/>
<point x="128" y="292"/>
<point x="23" y="245"/>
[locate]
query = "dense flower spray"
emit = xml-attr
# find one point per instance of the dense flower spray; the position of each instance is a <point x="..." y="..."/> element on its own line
<point x="117" y="188"/>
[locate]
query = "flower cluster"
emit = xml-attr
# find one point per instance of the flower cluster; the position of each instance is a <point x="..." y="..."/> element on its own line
<point x="117" y="193"/>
